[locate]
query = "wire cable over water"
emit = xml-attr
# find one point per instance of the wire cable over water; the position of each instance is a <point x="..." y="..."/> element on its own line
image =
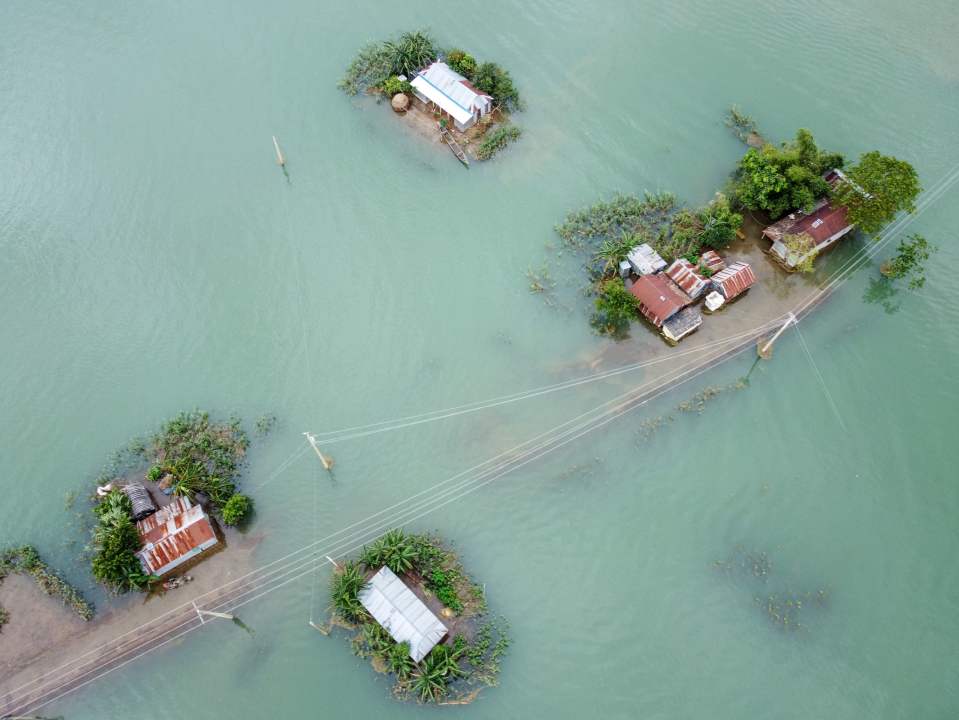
<point x="304" y="560"/>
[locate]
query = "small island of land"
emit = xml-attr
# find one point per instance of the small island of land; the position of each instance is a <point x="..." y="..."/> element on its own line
<point x="419" y="617"/>
<point x="446" y="95"/>
<point x="651" y="257"/>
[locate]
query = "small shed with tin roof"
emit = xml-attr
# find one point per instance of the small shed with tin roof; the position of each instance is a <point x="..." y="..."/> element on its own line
<point x="401" y="613"/>
<point x="683" y="273"/>
<point x="659" y="298"/>
<point x="736" y="279"/>
<point x="713" y="261"/>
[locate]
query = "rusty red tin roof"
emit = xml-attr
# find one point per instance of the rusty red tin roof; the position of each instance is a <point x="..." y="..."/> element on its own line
<point x="734" y="280"/>
<point x="659" y="298"/>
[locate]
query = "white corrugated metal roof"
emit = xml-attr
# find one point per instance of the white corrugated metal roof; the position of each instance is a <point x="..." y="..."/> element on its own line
<point x="645" y="260"/>
<point x="403" y="615"/>
<point x="449" y="90"/>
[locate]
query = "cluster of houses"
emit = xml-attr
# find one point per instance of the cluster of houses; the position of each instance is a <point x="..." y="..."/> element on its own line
<point x="668" y="295"/>
<point x="171" y="535"/>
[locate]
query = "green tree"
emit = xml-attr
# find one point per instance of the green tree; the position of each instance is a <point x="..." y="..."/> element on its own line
<point x="237" y="509"/>
<point x="615" y="308"/>
<point x="614" y="251"/>
<point x="910" y="258"/>
<point x="802" y="250"/>
<point x="778" y="180"/>
<point x="881" y="187"/>
<point x="461" y="62"/>
<point x="719" y="223"/>
<point x="498" y="84"/>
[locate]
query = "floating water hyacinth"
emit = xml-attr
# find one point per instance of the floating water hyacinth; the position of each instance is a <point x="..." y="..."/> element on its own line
<point x="786" y="609"/>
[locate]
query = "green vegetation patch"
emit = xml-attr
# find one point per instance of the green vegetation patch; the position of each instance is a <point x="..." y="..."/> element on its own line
<point x="25" y="559"/>
<point x="454" y="671"/>
<point x="115" y="543"/>
<point x="498" y="140"/>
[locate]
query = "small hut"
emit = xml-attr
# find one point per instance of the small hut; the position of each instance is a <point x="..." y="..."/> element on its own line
<point x="645" y="260"/>
<point x="683" y="273"/>
<point x="734" y="280"/>
<point x="140" y="500"/>
<point x="713" y="261"/>
<point x="403" y="615"/>
<point x="681" y="324"/>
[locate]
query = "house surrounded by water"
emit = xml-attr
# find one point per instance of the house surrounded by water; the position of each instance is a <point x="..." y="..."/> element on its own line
<point x="172" y="535"/>
<point x="441" y="88"/>
<point x="815" y="231"/>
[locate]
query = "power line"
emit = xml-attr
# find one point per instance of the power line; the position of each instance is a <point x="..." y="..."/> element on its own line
<point x="836" y="280"/>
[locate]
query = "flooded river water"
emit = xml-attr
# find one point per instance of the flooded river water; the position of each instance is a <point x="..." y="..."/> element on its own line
<point x="155" y="259"/>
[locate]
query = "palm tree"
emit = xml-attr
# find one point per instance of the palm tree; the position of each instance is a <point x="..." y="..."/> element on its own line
<point x="411" y="52"/>
<point x="345" y="588"/>
<point x="613" y="252"/>
<point x="429" y="680"/>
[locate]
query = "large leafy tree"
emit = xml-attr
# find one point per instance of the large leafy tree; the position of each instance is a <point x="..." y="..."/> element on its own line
<point x="881" y="187"/>
<point x="615" y="308"/>
<point x="492" y="79"/>
<point x="780" y="179"/>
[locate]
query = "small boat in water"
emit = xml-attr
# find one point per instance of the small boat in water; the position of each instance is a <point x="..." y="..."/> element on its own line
<point x="455" y="147"/>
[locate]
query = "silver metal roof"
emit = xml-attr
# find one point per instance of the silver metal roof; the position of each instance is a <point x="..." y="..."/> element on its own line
<point x="403" y="615"/>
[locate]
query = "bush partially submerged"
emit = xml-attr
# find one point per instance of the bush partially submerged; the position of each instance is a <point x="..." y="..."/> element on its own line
<point x="237" y="509"/>
<point x="115" y="543"/>
<point x="497" y="140"/>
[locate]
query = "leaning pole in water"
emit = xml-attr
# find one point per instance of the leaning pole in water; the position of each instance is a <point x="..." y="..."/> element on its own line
<point x="280" y="160"/>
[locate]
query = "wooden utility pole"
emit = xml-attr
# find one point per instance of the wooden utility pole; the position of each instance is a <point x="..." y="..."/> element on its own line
<point x="765" y="348"/>
<point x="280" y="160"/>
<point x="327" y="461"/>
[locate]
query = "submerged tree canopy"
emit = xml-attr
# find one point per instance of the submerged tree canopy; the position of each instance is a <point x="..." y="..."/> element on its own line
<point x="780" y="179"/>
<point x="882" y="186"/>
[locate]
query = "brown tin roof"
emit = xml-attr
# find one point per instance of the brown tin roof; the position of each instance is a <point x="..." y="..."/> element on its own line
<point x="659" y="298"/>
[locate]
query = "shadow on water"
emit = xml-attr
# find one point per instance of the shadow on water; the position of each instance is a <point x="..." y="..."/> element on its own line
<point x="881" y="291"/>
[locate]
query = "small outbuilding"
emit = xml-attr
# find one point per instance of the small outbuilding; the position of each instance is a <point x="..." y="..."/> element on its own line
<point x="444" y="89"/>
<point x="683" y="273"/>
<point x="659" y="298"/>
<point x="681" y="324"/>
<point x="644" y="260"/>
<point x="713" y="261"/>
<point x="401" y="613"/>
<point x="140" y="500"/>
<point x="734" y="280"/>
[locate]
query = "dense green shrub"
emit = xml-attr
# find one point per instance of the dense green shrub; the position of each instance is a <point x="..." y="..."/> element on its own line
<point x="237" y="509"/>
<point x="497" y="140"/>
<point x="786" y="178"/>
<point x="910" y="257"/>
<point x="345" y="586"/>
<point x="376" y="62"/>
<point x="461" y="62"/>
<point x="115" y="543"/>
<point x="497" y="82"/>
<point x="395" y="86"/>
<point x="615" y="308"/>
<point x="441" y="583"/>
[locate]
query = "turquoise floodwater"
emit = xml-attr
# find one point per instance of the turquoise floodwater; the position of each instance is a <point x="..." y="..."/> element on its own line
<point x="152" y="258"/>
